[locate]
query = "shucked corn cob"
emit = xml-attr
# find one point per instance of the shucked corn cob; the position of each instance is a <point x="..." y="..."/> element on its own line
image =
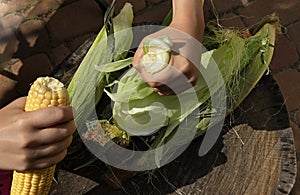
<point x="44" y="92"/>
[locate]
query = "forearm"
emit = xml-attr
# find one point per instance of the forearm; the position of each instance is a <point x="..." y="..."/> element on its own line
<point x="188" y="17"/>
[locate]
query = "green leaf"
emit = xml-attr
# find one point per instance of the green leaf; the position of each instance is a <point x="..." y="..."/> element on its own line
<point x="87" y="85"/>
<point x="114" y="66"/>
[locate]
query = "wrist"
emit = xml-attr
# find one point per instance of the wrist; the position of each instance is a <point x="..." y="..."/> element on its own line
<point x="193" y="28"/>
<point x="188" y="17"/>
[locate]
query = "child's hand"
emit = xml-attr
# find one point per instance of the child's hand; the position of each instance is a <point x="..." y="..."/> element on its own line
<point x="182" y="71"/>
<point x="35" y="139"/>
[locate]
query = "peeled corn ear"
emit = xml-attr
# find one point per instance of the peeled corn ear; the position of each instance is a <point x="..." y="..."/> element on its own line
<point x="44" y="92"/>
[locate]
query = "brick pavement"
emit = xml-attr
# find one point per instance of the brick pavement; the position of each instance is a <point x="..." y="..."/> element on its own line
<point x="39" y="37"/>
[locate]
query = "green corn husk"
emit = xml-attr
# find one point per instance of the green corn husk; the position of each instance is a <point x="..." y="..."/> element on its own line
<point x="103" y="58"/>
<point x="241" y="61"/>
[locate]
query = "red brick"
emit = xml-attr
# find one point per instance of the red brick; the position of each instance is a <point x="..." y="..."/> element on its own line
<point x="154" y="14"/>
<point x="289" y="85"/>
<point x="288" y="11"/>
<point x="33" y="67"/>
<point x="232" y="21"/>
<point x="8" y="43"/>
<point x="256" y="10"/>
<point x="222" y="6"/>
<point x="293" y="32"/>
<point x="138" y="5"/>
<point x="30" y="30"/>
<point x="11" y="20"/>
<point x="15" y="66"/>
<point x="297" y="116"/>
<point x="216" y="9"/>
<point x="59" y="53"/>
<point x="285" y="54"/>
<point x="208" y="11"/>
<point x="7" y="90"/>
<point x="75" y="43"/>
<point x="13" y="5"/>
<point x="38" y="37"/>
<point x="65" y="2"/>
<point x="75" y="19"/>
<point x="5" y="35"/>
<point x="154" y="1"/>
<point x="44" y="9"/>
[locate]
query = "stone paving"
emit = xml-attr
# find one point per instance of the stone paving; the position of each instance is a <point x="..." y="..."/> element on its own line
<point x="37" y="35"/>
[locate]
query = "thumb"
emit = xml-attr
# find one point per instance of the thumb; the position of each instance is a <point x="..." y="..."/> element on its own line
<point x="136" y="59"/>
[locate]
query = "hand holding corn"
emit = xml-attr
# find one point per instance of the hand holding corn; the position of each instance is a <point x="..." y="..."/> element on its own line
<point x="37" y="139"/>
<point x="181" y="73"/>
<point x="164" y="61"/>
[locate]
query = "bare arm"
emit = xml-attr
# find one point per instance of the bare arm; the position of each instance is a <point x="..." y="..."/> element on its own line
<point x="188" y="17"/>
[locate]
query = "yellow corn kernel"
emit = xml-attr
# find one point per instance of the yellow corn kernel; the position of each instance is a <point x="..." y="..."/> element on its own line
<point x="44" y="92"/>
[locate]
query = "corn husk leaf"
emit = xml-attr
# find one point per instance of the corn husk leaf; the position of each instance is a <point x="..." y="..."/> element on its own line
<point x="104" y="56"/>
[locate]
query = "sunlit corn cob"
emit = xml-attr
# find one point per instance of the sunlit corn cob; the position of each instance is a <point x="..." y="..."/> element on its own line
<point x="44" y="92"/>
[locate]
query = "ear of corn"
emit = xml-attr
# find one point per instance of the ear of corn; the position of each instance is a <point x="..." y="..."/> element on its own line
<point x="45" y="92"/>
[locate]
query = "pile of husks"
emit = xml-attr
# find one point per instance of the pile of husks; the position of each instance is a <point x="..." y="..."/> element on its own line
<point x="240" y="58"/>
